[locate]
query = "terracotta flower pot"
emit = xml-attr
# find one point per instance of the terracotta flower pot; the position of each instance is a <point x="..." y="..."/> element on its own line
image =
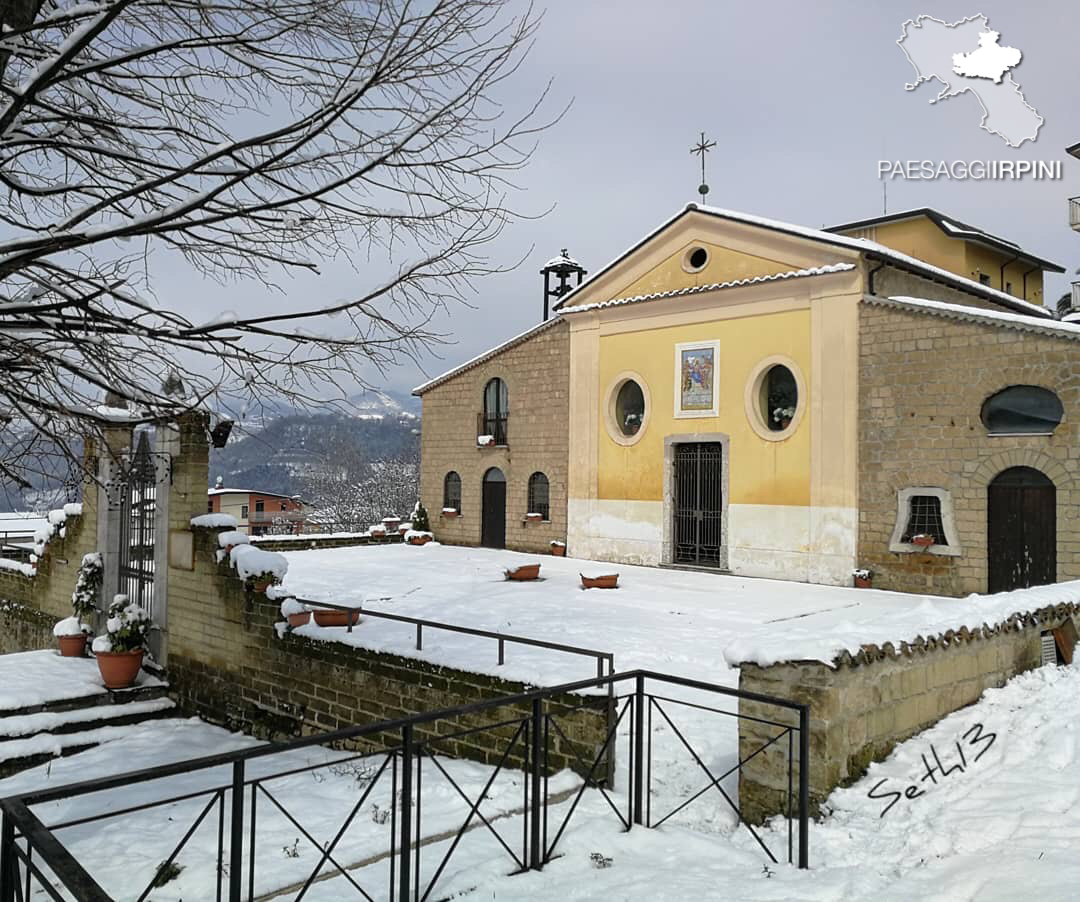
<point x="524" y="573"/>
<point x="300" y="619"/>
<point x="922" y="541"/>
<point x="862" y="582"/>
<point x="419" y="540"/>
<point x="534" y="518"/>
<point x="72" y="646"/>
<point x="449" y="515"/>
<point x="784" y="423"/>
<point x="119" y="668"/>
<point x="558" y="550"/>
<point x="261" y="585"/>
<point x="607" y="581"/>
<point x="335" y="618"/>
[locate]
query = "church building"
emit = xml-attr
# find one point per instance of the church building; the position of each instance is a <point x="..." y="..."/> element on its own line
<point x="765" y="399"/>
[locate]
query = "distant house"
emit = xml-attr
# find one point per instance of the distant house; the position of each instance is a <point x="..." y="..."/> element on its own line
<point x="256" y="512"/>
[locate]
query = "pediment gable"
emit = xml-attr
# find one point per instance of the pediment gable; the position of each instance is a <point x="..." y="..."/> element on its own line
<point x="735" y="250"/>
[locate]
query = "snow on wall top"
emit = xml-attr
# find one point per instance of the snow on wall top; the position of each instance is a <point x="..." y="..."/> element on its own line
<point x="1019" y="321"/>
<point x="831" y="636"/>
<point x="214" y="521"/>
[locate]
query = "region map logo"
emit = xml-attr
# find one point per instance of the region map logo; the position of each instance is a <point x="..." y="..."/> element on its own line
<point x="967" y="57"/>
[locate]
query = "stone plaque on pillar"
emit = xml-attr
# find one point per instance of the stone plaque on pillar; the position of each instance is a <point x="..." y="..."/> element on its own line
<point x="181" y="549"/>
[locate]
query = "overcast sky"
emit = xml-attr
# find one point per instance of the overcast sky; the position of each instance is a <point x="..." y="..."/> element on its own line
<point x="802" y="102"/>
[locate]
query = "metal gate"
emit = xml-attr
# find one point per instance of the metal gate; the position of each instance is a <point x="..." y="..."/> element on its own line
<point x="1021" y="530"/>
<point x="699" y="504"/>
<point x="137" y="514"/>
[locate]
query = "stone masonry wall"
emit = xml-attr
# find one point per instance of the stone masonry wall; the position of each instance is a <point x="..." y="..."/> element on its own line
<point x="891" y="282"/>
<point x="866" y="704"/>
<point x="228" y="664"/>
<point x="922" y="382"/>
<point x="537" y="377"/>
<point x="31" y="605"/>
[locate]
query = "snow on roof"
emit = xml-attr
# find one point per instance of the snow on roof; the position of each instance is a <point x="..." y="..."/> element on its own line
<point x="715" y="286"/>
<point x="221" y="490"/>
<point x="857" y="244"/>
<point x="564" y="259"/>
<point x="487" y="355"/>
<point x="975" y="314"/>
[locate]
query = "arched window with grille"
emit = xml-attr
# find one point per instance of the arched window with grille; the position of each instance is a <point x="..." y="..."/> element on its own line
<point x="496" y="409"/>
<point x="538" y="495"/>
<point x="452" y="493"/>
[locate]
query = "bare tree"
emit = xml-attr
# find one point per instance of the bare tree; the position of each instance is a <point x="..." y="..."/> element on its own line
<point x="250" y="138"/>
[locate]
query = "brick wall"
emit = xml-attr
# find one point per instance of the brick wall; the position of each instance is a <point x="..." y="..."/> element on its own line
<point x="864" y="705"/>
<point x="922" y="382"/>
<point x="537" y="376"/>
<point x="228" y="665"/>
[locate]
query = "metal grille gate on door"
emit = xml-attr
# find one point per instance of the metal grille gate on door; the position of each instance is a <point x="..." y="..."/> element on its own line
<point x="137" y="514"/>
<point x="699" y="504"/>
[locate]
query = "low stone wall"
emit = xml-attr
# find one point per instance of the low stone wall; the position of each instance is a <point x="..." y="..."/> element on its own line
<point x="309" y="543"/>
<point x="865" y="704"/>
<point x="31" y="605"/>
<point x="227" y="664"/>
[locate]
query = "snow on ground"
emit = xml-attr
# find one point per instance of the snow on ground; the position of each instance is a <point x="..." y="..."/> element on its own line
<point x="1004" y="825"/>
<point x="673" y="621"/>
<point x="37" y="677"/>
<point x="123" y="853"/>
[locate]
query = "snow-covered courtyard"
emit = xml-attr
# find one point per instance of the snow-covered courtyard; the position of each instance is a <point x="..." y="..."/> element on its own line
<point x="680" y="622"/>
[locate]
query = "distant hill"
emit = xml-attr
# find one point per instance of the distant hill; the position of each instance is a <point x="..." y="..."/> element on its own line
<point x="278" y="453"/>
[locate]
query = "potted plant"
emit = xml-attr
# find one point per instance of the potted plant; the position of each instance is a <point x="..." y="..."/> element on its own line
<point x="450" y="512"/>
<point x="391" y="524"/>
<point x="71" y="636"/>
<point x="296" y="613"/>
<point x="783" y="415"/>
<point x="533" y="517"/>
<point x="605" y="581"/>
<point x="558" y="548"/>
<point x="862" y="577"/>
<point x="923" y="540"/>
<point x="120" y="650"/>
<point x="524" y="573"/>
<point x="260" y="582"/>
<point x="334" y="617"/>
<point x="71" y="633"/>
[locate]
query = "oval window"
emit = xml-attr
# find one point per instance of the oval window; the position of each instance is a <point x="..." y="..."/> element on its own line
<point x="1021" y="409"/>
<point x="779" y="397"/>
<point x="629" y="408"/>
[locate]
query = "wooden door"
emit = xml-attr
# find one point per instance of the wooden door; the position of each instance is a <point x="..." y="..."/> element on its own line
<point x="493" y="518"/>
<point x="1021" y="530"/>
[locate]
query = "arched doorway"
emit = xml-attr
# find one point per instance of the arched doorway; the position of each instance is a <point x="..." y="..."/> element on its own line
<point x="1021" y="534"/>
<point x="493" y="519"/>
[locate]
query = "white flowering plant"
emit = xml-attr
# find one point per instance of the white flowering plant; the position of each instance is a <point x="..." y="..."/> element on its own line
<point x="84" y="599"/>
<point x="126" y="629"/>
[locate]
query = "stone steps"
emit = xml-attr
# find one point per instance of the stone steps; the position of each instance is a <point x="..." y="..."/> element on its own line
<point x="33" y="734"/>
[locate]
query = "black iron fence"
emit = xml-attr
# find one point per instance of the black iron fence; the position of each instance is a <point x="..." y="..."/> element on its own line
<point x="605" y="660"/>
<point x="532" y="735"/>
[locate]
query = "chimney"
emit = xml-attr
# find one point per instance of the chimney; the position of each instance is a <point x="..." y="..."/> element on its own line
<point x="562" y="268"/>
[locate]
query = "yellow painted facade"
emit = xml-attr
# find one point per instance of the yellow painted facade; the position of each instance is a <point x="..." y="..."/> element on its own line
<point x="763" y="472"/>
<point x="921" y="238"/>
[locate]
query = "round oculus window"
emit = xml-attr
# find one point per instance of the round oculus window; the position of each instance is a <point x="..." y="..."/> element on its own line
<point x="779" y="397"/>
<point x="695" y="259"/>
<point x="629" y="408"/>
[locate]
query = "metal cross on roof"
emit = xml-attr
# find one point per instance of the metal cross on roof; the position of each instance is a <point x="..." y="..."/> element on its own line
<point x="701" y="148"/>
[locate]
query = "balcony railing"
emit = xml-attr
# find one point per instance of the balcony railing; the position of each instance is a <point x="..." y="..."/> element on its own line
<point x="276" y="516"/>
<point x="1074" y="212"/>
<point x="493" y="425"/>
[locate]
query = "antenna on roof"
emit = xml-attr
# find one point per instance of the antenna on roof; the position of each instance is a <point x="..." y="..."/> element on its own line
<point x="884" y="197"/>
<point x="701" y="148"/>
